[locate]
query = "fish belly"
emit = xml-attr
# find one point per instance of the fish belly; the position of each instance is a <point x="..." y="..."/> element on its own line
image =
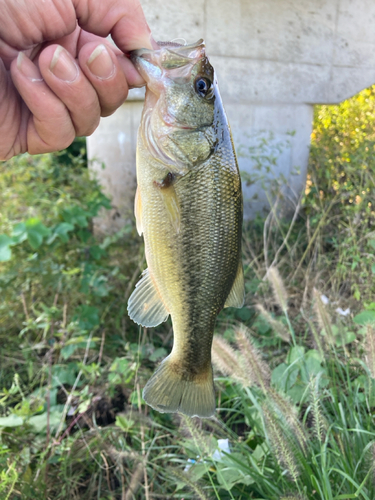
<point x="193" y="268"/>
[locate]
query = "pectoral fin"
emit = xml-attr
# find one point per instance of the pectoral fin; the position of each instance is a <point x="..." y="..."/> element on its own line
<point x="172" y="206"/>
<point x="236" y="296"/>
<point x="145" y="305"/>
<point x="138" y="211"/>
<point x="169" y="197"/>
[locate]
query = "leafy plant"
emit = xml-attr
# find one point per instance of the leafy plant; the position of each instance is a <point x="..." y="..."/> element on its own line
<point x="310" y="423"/>
<point x="295" y="396"/>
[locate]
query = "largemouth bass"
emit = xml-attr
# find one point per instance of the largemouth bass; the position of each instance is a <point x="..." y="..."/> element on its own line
<point x="189" y="208"/>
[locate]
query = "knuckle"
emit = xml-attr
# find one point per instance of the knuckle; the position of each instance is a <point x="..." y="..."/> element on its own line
<point x="87" y="128"/>
<point x="108" y="111"/>
<point x="64" y="142"/>
<point x="56" y="145"/>
<point x="6" y="154"/>
<point x="109" y="106"/>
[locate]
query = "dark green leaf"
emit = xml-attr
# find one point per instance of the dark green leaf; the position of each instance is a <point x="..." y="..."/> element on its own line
<point x="87" y="316"/>
<point x="76" y="216"/>
<point x="364" y="317"/>
<point x="11" y="420"/>
<point x="5" y="251"/>
<point x="64" y="374"/>
<point x="96" y="252"/>
<point x="284" y="377"/>
<point x="40" y="422"/>
<point x="36" y="231"/>
<point x="19" y="232"/>
<point x="159" y="353"/>
<point x="68" y="350"/>
<point x="62" y="231"/>
<point x="244" y="314"/>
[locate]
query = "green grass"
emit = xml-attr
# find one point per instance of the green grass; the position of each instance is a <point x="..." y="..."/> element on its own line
<point x="295" y="404"/>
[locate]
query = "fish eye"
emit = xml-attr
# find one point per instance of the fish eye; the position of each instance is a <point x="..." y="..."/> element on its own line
<point x="202" y="86"/>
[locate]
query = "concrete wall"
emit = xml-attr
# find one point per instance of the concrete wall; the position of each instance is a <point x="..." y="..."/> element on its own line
<point x="274" y="60"/>
<point x="113" y="146"/>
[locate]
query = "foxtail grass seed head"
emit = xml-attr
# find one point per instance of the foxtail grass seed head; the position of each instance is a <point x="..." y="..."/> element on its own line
<point x="226" y="360"/>
<point x="279" y="291"/>
<point x="319" y="422"/>
<point x="122" y="456"/>
<point x="317" y="338"/>
<point x="283" y="451"/>
<point x="371" y="462"/>
<point x="189" y="482"/>
<point x="276" y="325"/>
<point x="257" y="370"/>
<point x="288" y="412"/>
<point x="201" y="440"/>
<point x="370" y="349"/>
<point x="322" y="316"/>
<point x="135" y="481"/>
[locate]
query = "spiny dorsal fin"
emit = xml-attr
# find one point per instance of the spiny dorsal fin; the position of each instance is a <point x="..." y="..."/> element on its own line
<point x="236" y="297"/>
<point x="145" y="306"/>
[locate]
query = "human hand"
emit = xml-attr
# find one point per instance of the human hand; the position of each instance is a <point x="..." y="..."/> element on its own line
<point x="58" y="77"/>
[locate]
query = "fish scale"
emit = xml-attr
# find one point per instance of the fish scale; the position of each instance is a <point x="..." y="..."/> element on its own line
<point x="189" y="209"/>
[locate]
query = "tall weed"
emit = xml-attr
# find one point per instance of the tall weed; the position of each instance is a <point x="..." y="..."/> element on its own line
<point x="295" y="365"/>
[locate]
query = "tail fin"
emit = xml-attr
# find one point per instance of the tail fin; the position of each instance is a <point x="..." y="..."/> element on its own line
<point x="167" y="391"/>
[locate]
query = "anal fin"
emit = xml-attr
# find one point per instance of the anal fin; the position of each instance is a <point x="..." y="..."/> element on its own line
<point x="138" y="211"/>
<point x="145" y="305"/>
<point x="236" y="297"/>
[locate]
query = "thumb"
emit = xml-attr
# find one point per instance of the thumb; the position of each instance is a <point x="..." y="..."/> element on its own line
<point x="125" y="21"/>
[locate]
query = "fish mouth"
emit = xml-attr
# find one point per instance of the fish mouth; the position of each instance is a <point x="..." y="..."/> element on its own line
<point x="142" y="60"/>
<point x="170" y="55"/>
<point x="187" y="51"/>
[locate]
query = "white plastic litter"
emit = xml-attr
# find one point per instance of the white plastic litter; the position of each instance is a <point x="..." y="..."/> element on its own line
<point x="342" y="312"/>
<point x="222" y="446"/>
<point x="324" y="299"/>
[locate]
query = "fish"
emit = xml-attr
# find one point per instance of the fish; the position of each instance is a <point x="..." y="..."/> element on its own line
<point x="189" y="208"/>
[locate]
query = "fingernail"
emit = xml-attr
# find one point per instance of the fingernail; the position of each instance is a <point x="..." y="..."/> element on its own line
<point x="154" y="43"/>
<point x="28" y="68"/>
<point x="100" y="63"/>
<point x="63" y="66"/>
